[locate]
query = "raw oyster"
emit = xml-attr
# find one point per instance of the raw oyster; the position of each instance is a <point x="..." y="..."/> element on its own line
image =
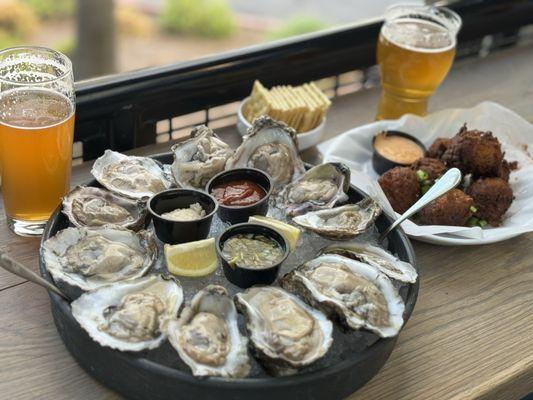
<point x="343" y="222"/>
<point x="199" y="158"/>
<point x="285" y="332"/>
<point x="378" y="257"/>
<point x="272" y="147"/>
<point x="356" y="293"/>
<point x="92" y="207"/>
<point x="319" y="188"/>
<point x="207" y="336"/>
<point x="132" y="315"/>
<point x="130" y="176"/>
<point x="92" y="257"/>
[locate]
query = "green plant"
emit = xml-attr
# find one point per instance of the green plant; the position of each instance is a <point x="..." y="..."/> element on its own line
<point x="16" y="19"/>
<point x="209" y="18"/>
<point x="7" y="40"/>
<point x="297" y="26"/>
<point x="132" y="22"/>
<point x="52" y="9"/>
<point x="66" y="46"/>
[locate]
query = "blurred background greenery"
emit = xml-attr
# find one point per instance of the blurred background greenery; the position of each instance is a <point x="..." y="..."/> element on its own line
<point x="143" y="33"/>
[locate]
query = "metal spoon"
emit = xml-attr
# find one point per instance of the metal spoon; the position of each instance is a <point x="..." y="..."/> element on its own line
<point x="17" y="268"/>
<point x="443" y="185"/>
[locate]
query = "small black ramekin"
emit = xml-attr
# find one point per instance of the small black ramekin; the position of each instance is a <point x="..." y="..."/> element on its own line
<point x="246" y="277"/>
<point x="238" y="214"/>
<point x="382" y="164"/>
<point x="173" y="232"/>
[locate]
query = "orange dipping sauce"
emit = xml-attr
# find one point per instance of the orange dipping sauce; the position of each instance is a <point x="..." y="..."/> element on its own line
<point x="238" y="193"/>
<point x="398" y="149"/>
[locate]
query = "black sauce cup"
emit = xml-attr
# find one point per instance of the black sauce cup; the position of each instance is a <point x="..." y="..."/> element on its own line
<point x="382" y="164"/>
<point x="246" y="277"/>
<point x="238" y="214"/>
<point x="173" y="232"/>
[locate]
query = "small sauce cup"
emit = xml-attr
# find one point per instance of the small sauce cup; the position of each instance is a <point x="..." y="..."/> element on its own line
<point x="246" y="277"/>
<point x="381" y="163"/>
<point x="173" y="232"/>
<point x="238" y="214"/>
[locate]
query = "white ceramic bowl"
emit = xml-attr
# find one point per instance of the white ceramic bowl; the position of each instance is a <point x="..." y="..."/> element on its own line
<point x="305" y="139"/>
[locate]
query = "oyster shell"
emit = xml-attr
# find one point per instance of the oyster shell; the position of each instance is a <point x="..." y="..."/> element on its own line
<point x="130" y="176"/>
<point x="270" y="146"/>
<point x="285" y="332"/>
<point x="343" y="222"/>
<point x="319" y="188"/>
<point x="207" y="336"/>
<point x="91" y="207"/>
<point x="356" y="293"/>
<point x="92" y="257"/>
<point x="199" y="158"/>
<point x="378" y="257"/>
<point x="129" y="316"/>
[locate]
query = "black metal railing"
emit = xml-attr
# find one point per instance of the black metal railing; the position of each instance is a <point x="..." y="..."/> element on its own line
<point x="122" y="111"/>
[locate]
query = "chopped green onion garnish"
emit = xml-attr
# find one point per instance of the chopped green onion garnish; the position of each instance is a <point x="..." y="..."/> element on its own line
<point x="473" y="209"/>
<point x="422" y="175"/>
<point x="472" y="221"/>
<point x="483" y="223"/>
<point x="425" y="188"/>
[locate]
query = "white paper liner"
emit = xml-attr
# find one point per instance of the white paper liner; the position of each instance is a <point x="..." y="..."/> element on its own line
<point x="354" y="148"/>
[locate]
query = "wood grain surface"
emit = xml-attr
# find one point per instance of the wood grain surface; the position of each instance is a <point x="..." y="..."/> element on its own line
<point x="470" y="336"/>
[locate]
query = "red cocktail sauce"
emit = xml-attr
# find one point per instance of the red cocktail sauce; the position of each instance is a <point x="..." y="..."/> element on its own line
<point x="238" y="193"/>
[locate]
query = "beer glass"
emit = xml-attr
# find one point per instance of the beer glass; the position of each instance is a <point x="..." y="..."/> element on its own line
<point x="36" y="133"/>
<point x="415" y="51"/>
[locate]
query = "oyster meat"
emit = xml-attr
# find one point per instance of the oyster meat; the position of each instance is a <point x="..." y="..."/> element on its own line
<point x="320" y="188"/>
<point x="286" y="333"/>
<point x="378" y="257"/>
<point x="270" y="146"/>
<point x="131" y="315"/>
<point x="356" y="293"/>
<point x="199" y="158"/>
<point x="92" y="207"/>
<point x="130" y="176"/>
<point x="207" y="336"/>
<point x="342" y="222"/>
<point x="92" y="257"/>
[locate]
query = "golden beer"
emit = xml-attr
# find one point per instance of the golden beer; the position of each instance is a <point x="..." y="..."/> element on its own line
<point x="414" y="55"/>
<point x="36" y="133"/>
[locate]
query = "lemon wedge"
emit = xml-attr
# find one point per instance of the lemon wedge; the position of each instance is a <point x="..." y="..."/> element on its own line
<point x="290" y="232"/>
<point x="192" y="259"/>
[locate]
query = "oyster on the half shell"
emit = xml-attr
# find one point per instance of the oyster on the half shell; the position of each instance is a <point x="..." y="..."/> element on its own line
<point x="199" y="158"/>
<point x="130" y="176"/>
<point x="356" y="293"/>
<point x="131" y="315"/>
<point x="272" y="147"/>
<point x="342" y="222"/>
<point x="92" y="257"/>
<point x="286" y="333"/>
<point x="207" y="336"/>
<point x="376" y="256"/>
<point x="92" y="207"/>
<point x="319" y="188"/>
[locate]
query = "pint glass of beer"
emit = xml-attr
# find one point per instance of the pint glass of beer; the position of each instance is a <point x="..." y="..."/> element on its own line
<point x="36" y="131"/>
<point x="415" y="51"/>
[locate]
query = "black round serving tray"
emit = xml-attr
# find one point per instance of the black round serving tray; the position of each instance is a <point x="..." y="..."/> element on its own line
<point x="153" y="375"/>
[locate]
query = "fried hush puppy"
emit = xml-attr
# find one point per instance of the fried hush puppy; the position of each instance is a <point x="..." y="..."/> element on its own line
<point x="492" y="198"/>
<point x="475" y="152"/>
<point x="453" y="208"/>
<point x="401" y="187"/>
<point x="433" y="167"/>
<point x="438" y="147"/>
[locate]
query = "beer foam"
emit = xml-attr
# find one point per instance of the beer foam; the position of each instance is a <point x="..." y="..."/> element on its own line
<point x="419" y="35"/>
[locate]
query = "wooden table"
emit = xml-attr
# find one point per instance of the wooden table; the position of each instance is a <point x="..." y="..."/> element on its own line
<point x="470" y="336"/>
